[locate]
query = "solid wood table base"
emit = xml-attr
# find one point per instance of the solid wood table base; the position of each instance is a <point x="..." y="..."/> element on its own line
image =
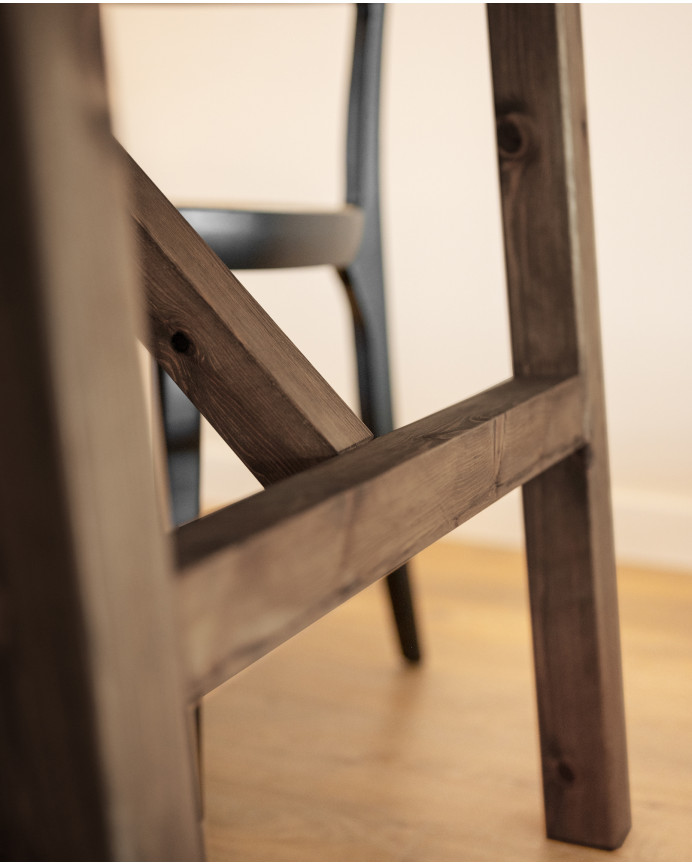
<point x="110" y="626"/>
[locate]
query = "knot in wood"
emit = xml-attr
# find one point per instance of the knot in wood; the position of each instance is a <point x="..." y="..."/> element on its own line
<point x="516" y="139"/>
<point x="566" y="772"/>
<point x="181" y="342"/>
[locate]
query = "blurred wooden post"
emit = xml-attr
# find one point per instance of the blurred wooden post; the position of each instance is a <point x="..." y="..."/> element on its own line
<point x="538" y="82"/>
<point x="95" y="755"/>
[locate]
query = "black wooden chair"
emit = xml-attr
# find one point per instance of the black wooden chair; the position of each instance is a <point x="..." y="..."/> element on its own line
<point x="349" y="239"/>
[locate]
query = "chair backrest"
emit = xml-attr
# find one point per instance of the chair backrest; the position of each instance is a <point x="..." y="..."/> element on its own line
<point x="362" y="137"/>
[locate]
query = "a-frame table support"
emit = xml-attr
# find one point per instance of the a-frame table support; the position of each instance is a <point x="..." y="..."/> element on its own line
<point x="109" y="629"/>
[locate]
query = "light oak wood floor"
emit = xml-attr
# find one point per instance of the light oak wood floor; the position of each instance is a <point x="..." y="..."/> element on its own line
<point x="331" y="748"/>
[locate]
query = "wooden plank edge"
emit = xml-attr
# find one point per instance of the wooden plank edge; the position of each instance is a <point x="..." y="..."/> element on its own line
<point x="259" y="571"/>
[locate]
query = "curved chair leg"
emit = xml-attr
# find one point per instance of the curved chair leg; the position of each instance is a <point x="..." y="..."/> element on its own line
<point x="399" y="586"/>
<point x="363" y="278"/>
<point x="181" y="423"/>
<point x="365" y="290"/>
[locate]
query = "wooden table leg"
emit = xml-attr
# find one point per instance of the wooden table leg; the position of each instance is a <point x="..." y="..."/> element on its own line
<point x="94" y="750"/>
<point x="549" y="243"/>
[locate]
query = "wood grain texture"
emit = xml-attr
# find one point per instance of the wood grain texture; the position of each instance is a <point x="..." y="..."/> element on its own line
<point x="549" y="246"/>
<point x="329" y="750"/>
<point x="243" y="374"/>
<point x="93" y="747"/>
<point x="257" y="572"/>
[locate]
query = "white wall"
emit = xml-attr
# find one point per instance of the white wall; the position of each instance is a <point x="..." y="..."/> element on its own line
<point x="236" y="103"/>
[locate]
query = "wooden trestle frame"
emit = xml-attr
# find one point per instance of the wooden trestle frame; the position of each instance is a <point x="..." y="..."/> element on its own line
<point x="101" y="610"/>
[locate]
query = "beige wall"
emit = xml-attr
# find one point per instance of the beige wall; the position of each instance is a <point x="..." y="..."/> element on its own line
<point x="236" y="103"/>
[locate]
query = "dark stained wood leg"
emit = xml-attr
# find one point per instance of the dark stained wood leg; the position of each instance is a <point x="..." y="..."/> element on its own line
<point x="93" y="744"/>
<point x="551" y="273"/>
<point x="577" y="653"/>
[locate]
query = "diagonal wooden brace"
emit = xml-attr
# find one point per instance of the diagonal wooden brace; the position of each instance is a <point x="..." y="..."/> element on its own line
<point x="259" y="571"/>
<point x="228" y="356"/>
